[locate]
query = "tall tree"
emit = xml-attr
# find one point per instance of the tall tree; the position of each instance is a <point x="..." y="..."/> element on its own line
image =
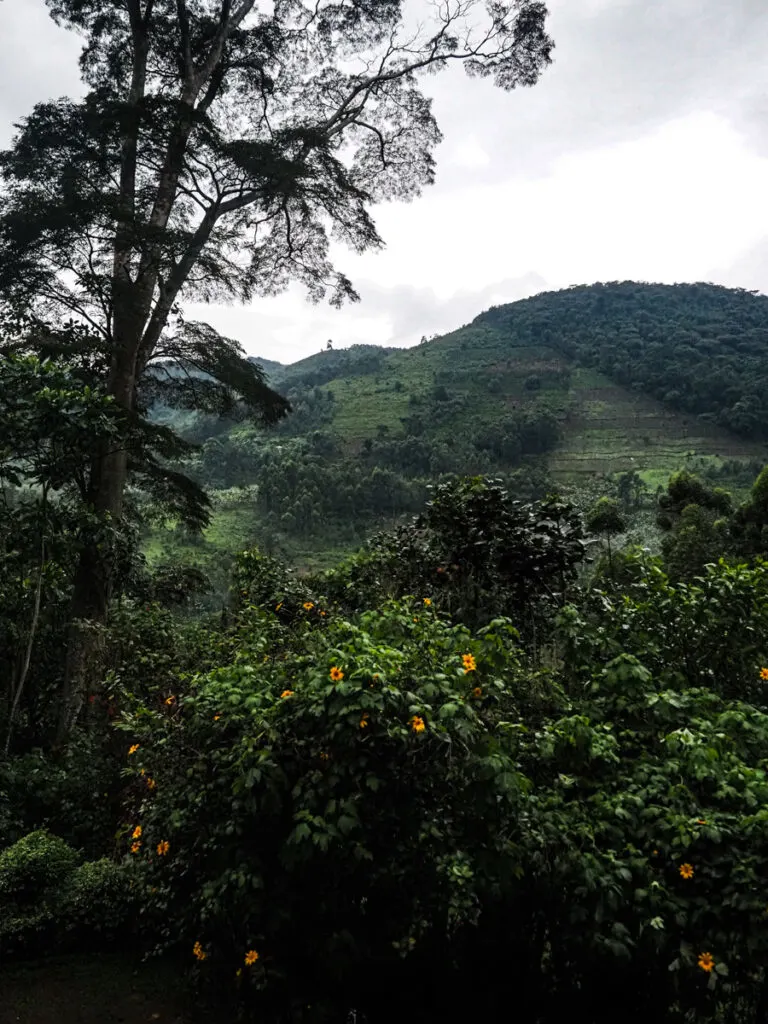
<point x="220" y="145"/>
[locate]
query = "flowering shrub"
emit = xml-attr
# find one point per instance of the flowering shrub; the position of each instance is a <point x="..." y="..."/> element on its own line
<point x="333" y="804"/>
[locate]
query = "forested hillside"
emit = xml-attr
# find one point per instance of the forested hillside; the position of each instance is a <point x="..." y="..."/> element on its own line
<point x="550" y="392"/>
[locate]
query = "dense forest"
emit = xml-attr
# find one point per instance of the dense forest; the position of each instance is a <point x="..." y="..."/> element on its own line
<point x="505" y="751"/>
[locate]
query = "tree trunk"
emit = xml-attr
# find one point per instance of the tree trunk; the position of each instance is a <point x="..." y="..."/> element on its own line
<point x="94" y="577"/>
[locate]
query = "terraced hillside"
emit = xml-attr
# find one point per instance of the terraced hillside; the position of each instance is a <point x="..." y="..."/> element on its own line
<point x="638" y="376"/>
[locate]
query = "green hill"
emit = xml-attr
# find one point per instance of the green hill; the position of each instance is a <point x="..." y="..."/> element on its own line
<point x="558" y="389"/>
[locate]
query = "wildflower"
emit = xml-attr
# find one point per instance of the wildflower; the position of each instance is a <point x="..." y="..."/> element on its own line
<point x="655" y="853"/>
<point x="286" y="693"/>
<point x="706" y="962"/>
<point x="163" y="847"/>
<point x="324" y="756"/>
<point x="469" y="663"/>
<point x="764" y="673"/>
<point x="308" y="606"/>
<point x="216" y="718"/>
<point x="142" y="771"/>
<point x="133" y="749"/>
<point x="251" y="957"/>
<point x="440" y="568"/>
<point x="415" y="618"/>
<point x="151" y="784"/>
<point x="427" y="601"/>
<point x="417" y="723"/>
<point x="135" y="847"/>
<point x="198" y="951"/>
<point x="336" y="674"/>
<point x="477" y="692"/>
<point x="701" y="821"/>
<point x="170" y="700"/>
<point x="278" y="606"/>
<point x="364" y="723"/>
<point x="376" y="677"/>
<point x="323" y="614"/>
<point x="136" y="832"/>
<point x="686" y="870"/>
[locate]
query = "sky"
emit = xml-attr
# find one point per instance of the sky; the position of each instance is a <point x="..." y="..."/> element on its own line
<point x="642" y="154"/>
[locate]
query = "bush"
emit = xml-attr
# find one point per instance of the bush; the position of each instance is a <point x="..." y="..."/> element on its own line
<point x="35" y="874"/>
<point x="335" y="807"/>
<point x="49" y="901"/>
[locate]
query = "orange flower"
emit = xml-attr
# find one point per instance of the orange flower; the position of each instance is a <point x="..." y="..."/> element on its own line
<point x="151" y="784"/>
<point x="198" y="951"/>
<point x="469" y="663"/>
<point x="686" y="870"/>
<point x="477" y="692"/>
<point x="170" y="700"/>
<point x="764" y="673"/>
<point x="308" y="606"/>
<point x="163" y="847"/>
<point x="136" y="833"/>
<point x="427" y="601"/>
<point x="251" y="957"/>
<point x="417" y="723"/>
<point x="216" y="718"/>
<point x="701" y="821"/>
<point x="336" y="674"/>
<point x="286" y="693"/>
<point x="323" y="614"/>
<point x="364" y="723"/>
<point x="133" y="749"/>
<point x="278" y="606"/>
<point x="135" y="847"/>
<point x="706" y="962"/>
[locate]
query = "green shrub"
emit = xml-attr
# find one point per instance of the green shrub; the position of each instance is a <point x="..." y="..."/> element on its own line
<point x="35" y="875"/>
<point x="49" y="901"/>
<point x="333" y="806"/>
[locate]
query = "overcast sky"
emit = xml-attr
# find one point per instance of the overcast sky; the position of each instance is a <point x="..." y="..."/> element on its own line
<point x="641" y="154"/>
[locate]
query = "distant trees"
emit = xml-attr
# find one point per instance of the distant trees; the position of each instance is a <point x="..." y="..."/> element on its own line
<point x="702" y="349"/>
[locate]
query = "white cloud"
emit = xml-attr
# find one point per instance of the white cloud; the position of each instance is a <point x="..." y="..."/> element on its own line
<point x="642" y="153"/>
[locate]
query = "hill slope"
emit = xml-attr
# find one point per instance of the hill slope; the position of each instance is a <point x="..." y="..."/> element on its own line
<point x="558" y="388"/>
<point x="637" y="375"/>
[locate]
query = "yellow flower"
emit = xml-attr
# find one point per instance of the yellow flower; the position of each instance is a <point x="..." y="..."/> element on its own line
<point x="686" y="870"/>
<point x="308" y="606"/>
<point x="170" y="700"/>
<point x="163" y="847"/>
<point x="706" y="963"/>
<point x="216" y="718"/>
<point x="286" y="693"/>
<point x="151" y="784"/>
<point x="323" y="614"/>
<point x="278" y="606"/>
<point x="135" y="847"/>
<point x="701" y="821"/>
<point x="336" y="674"/>
<point x="477" y="692"/>
<point x="764" y="673"/>
<point x="417" y="723"/>
<point x="427" y="601"/>
<point x="133" y="749"/>
<point x="364" y="723"/>
<point x="199" y="952"/>
<point x="251" y="957"/>
<point x="136" y="832"/>
<point x="469" y="663"/>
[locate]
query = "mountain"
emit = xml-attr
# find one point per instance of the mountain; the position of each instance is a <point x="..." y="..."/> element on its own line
<point x="551" y="391"/>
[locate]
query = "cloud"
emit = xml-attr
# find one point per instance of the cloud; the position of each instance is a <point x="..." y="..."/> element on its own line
<point x="641" y="153"/>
